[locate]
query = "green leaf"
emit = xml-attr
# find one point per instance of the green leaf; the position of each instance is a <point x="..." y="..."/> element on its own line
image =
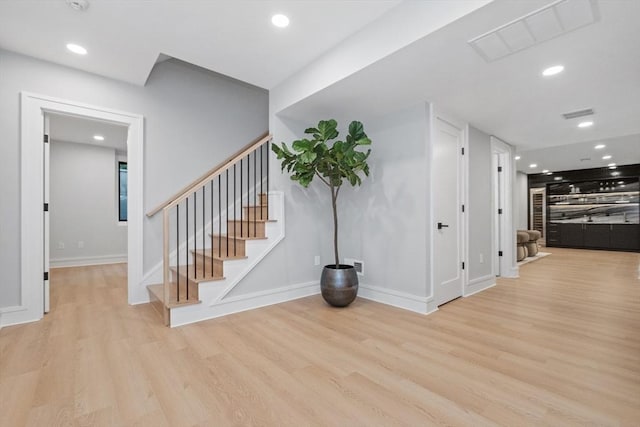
<point x="302" y="145"/>
<point x="356" y="130"/>
<point x="327" y="129"/>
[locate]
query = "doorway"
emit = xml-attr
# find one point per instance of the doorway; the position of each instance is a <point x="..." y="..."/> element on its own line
<point x="504" y="238"/>
<point x="85" y="189"/>
<point x="448" y="171"/>
<point x="33" y="110"/>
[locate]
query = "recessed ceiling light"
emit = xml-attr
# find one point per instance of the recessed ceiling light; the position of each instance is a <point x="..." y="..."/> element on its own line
<point x="98" y="137"/>
<point x="533" y="165"/>
<point x="545" y="170"/>
<point x="599" y="146"/>
<point x="607" y="157"/>
<point x="517" y="157"/>
<point x="280" y="20"/>
<point x="616" y="173"/>
<point x="620" y="182"/>
<point x="585" y="124"/>
<point x="552" y="71"/>
<point x="77" y="49"/>
<point x="549" y="173"/>
<point x="558" y="178"/>
<point x="611" y="164"/>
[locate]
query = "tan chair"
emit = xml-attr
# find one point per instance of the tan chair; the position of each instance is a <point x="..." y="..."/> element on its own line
<point x="522" y="238"/>
<point x="532" y="244"/>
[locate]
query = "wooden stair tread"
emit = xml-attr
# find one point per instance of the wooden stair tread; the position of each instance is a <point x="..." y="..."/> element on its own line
<point x="158" y="292"/>
<point x="187" y="271"/>
<point x="224" y="236"/>
<point x="231" y="257"/>
<point x="249" y="221"/>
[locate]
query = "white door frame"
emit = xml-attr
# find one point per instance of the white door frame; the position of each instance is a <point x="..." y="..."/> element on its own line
<point x="33" y="107"/>
<point x="507" y="231"/>
<point x="47" y="224"/>
<point x="463" y="197"/>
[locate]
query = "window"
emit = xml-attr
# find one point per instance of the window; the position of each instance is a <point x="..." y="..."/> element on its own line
<point x="122" y="191"/>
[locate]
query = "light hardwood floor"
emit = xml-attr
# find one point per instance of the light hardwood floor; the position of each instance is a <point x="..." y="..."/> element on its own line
<point x="559" y="346"/>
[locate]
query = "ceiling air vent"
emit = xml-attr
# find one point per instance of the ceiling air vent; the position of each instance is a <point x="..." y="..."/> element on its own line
<point x="579" y="113"/>
<point x="551" y="21"/>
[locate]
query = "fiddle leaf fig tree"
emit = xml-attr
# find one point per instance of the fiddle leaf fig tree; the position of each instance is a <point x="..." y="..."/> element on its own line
<point x="332" y="162"/>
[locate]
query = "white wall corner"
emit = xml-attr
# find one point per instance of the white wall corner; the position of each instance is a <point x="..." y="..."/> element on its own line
<point x="244" y="302"/>
<point x="512" y="272"/>
<point x="479" y="284"/>
<point x="395" y="298"/>
<point x="15" y="315"/>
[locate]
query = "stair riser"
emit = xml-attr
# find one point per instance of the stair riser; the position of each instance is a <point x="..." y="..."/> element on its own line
<point x="193" y="289"/>
<point x="218" y="266"/>
<point x="263" y="199"/>
<point x="244" y="229"/>
<point x="255" y="212"/>
<point x="221" y="244"/>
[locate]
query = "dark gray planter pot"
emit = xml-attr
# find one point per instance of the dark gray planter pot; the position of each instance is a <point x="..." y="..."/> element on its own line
<point x="339" y="286"/>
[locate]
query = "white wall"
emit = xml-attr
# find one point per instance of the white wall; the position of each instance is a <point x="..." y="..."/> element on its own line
<point x="83" y="205"/>
<point x="480" y="209"/>
<point x="521" y="198"/>
<point x="194" y="119"/>
<point x="382" y="223"/>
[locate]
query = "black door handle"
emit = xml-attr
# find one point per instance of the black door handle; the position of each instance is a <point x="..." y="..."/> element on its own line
<point x="441" y="226"/>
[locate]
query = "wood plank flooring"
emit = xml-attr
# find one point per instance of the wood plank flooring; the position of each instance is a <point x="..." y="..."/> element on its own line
<point x="558" y="346"/>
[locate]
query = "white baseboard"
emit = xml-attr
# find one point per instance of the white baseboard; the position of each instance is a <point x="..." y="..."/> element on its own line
<point x="15" y="315"/>
<point x="83" y="261"/>
<point x="236" y="304"/>
<point x="422" y="305"/>
<point x="479" y="284"/>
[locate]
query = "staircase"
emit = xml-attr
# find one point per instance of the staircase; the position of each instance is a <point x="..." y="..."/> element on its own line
<point x="215" y="231"/>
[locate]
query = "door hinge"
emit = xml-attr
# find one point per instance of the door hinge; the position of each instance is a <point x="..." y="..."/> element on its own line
<point x="46" y="138"/>
<point x="463" y="265"/>
<point x="499" y="168"/>
<point x="46" y="275"/>
<point x="463" y="208"/>
<point x="463" y="151"/>
<point x="500" y="211"/>
<point x="499" y="253"/>
<point x="46" y="207"/>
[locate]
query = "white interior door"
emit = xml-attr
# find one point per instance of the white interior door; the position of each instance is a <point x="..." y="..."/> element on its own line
<point x="448" y="143"/>
<point x="46" y="214"/>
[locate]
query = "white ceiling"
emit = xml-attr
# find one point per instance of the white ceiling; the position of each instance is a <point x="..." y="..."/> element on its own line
<point x="81" y="131"/>
<point x="506" y="97"/>
<point x="236" y="38"/>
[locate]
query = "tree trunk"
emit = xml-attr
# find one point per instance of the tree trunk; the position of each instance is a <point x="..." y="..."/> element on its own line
<point x="334" y="198"/>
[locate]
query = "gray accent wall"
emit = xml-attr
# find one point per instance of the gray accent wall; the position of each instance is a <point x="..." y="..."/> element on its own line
<point x="194" y="119"/>
<point x="480" y="206"/>
<point x="83" y="204"/>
